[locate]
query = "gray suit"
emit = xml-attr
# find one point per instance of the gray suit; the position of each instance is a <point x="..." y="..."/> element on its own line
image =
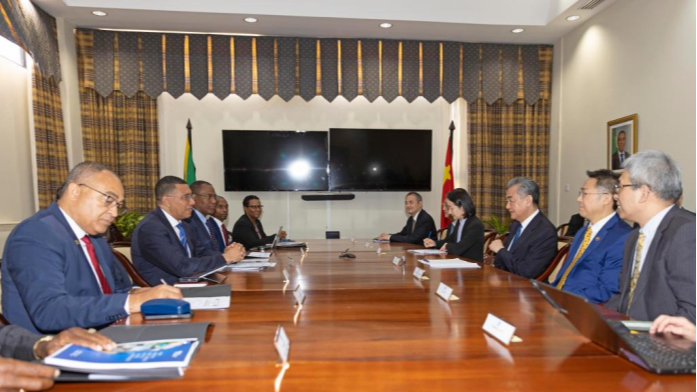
<point x="17" y="342"/>
<point x="667" y="281"/>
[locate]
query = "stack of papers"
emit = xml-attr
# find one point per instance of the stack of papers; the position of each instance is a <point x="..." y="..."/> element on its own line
<point x="209" y="297"/>
<point x="449" y="263"/>
<point x="263" y="255"/>
<point x="427" y="252"/>
<point x="251" y="265"/>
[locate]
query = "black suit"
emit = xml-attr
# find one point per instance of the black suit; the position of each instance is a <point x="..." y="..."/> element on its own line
<point x="17" y="343"/>
<point x="471" y="243"/>
<point x="576" y="222"/>
<point x="533" y="250"/>
<point x="424" y="225"/>
<point x="158" y="254"/>
<point x="200" y="230"/>
<point x="667" y="280"/>
<point x="243" y="232"/>
<point x="616" y="165"/>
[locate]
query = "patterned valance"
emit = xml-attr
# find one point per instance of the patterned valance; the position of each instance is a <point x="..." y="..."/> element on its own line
<point x="309" y="67"/>
<point x="31" y="28"/>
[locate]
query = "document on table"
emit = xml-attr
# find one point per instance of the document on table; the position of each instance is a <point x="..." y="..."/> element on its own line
<point x="210" y="297"/>
<point x="427" y="252"/>
<point x="265" y="255"/>
<point x="449" y="263"/>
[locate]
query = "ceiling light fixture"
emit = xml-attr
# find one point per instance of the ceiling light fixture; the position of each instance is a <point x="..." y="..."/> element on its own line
<point x="251" y="20"/>
<point x="99" y="13"/>
<point x="385" y="25"/>
<point x="517" y="31"/>
<point x="573" y="18"/>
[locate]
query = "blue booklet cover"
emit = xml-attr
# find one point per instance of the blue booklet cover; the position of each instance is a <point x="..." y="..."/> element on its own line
<point x="171" y="353"/>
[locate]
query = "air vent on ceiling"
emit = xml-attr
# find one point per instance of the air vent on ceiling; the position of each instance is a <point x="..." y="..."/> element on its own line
<point x="591" y="4"/>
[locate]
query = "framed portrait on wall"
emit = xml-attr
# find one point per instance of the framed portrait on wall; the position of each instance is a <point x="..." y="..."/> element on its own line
<point x="622" y="140"/>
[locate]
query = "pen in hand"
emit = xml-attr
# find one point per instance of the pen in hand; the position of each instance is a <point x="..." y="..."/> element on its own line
<point x="163" y="282"/>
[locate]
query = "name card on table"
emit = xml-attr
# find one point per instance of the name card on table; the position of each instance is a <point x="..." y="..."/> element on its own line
<point x="282" y="344"/>
<point x="500" y="329"/>
<point x="419" y="274"/>
<point x="299" y="295"/>
<point x="445" y="292"/>
<point x="399" y="261"/>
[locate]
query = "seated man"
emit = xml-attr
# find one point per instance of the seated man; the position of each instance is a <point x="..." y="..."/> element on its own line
<point x="531" y="243"/>
<point x="658" y="271"/>
<point x="164" y="247"/>
<point x="22" y="345"/>
<point x="420" y="224"/>
<point x="57" y="270"/>
<point x="248" y="230"/>
<point x="201" y="220"/>
<point x="220" y="216"/>
<point x="593" y="266"/>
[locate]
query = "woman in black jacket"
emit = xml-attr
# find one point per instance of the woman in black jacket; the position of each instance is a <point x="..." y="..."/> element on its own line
<point x="466" y="237"/>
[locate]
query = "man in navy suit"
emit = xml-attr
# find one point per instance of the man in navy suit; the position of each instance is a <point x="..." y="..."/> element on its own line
<point x="164" y="246"/>
<point x="420" y="224"/>
<point x="201" y="220"/>
<point x="531" y="243"/>
<point x="58" y="272"/>
<point x="592" y="268"/>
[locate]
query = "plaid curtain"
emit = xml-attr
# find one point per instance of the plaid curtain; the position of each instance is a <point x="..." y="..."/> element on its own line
<point x="119" y="131"/>
<point x="51" y="152"/>
<point x="507" y="141"/>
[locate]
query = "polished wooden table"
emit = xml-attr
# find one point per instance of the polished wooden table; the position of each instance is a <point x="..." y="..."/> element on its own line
<point x="368" y="325"/>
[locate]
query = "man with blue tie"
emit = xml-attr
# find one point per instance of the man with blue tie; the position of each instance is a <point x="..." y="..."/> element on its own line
<point x="532" y="240"/>
<point x="594" y="263"/>
<point x="164" y="246"/>
<point x="201" y="220"/>
<point x="57" y="270"/>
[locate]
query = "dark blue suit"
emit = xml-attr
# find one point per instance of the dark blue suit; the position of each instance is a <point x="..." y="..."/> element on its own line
<point x="596" y="274"/>
<point x="532" y="252"/>
<point x="158" y="254"/>
<point x="47" y="282"/>
<point x="200" y="231"/>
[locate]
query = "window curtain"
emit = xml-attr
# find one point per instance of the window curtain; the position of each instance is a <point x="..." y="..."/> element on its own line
<point x="507" y="141"/>
<point x="119" y="131"/>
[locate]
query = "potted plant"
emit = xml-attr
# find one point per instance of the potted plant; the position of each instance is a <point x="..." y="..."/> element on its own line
<point x="498" y="225"/>
<point x="127" y="222"/>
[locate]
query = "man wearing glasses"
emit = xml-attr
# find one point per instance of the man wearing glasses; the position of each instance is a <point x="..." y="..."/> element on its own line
<point x="593" y="265"/>
<point x="201" y="220"/>
<point x="58" y="272"/>
<point x="658" y="271"/>
<point x="164" y="246"/>
<point x="248" y="230"/>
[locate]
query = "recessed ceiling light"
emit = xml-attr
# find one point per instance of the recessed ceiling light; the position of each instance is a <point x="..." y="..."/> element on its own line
<point x="573" y="17"/>
<point x="385" y="25"/>
<point x="251" y="20"/>
<point x="98" y="13"/>
<point x="516" y="31"/>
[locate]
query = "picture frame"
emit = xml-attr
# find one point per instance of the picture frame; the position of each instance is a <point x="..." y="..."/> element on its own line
<point x="622" y="140"/>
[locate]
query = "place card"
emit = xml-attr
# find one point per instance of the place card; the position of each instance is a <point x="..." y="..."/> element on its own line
<point x="500" y="329"/>
<point x="445" y="292"/>
<point x="282" y="344"/>
<point x="419" y="274"/>
<point x="397" y="261"/>
<point x="299" y="295"/>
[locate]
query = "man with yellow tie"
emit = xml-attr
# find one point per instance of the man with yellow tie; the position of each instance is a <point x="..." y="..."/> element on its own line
<point x="595" y="259"/>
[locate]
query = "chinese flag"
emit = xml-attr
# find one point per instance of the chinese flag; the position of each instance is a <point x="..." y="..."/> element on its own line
<point x="448" y="181"/>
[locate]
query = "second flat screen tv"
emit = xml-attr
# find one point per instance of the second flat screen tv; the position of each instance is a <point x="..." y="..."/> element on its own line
<point x="275" y="161"/>
<point x="379" y="159"/>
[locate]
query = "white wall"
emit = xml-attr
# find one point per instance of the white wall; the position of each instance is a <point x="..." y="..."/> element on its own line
<point x="15" y="150"/>
<point x="366" y="216"/>
<point x="638" y="56"/>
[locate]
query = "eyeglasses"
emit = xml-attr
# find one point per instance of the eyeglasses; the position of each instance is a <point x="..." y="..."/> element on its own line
<point x="582" y="193"/>
<point x="259" y="207"/>
<point x="619" y="187"/>
<point x="109" y="201"/>
<point x="210" y="196"/>
<point x="187" y="197"/>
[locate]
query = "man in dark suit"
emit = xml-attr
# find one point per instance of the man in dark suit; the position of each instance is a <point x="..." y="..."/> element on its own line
<point x="57" y="270"/>
<point x="201" y="220"/>
<point x="22" y="346"/>
<point x="531" y="243"/>
<point x="658" y="272"/>
<point x="420" y="224"/>
<point x="248" y="230"/>
<point x="164" y="247"/>
<point x="593" y="265"/>
<point x="220" y="217"/>
<point x="620" y="155"/>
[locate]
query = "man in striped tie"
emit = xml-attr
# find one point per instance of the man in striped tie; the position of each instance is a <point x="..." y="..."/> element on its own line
<point x="220" y="216"/>
<point x="593" y="265"/>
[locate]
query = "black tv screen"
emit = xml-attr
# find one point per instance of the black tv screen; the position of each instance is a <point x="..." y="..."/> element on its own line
<point x="275" y="161"/>
<point x="379" y="159"/>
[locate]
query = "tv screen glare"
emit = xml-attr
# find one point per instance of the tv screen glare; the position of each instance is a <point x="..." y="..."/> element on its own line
<point x="275" y="160"/>
<point x="379" y="159"/>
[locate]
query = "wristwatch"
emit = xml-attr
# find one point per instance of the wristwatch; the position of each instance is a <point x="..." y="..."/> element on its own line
<point x="46" y="339"/>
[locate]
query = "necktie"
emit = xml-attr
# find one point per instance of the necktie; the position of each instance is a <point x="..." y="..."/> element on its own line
<point x="225" y="235"/>
<point x="256" y="228"/>
<point x="637" y="269"/>
<point x="182" y="237"/>
<point x="212" y="227"/>
<point x="581" y="249"/>
<point x="413" y="225"/>
<point x="515" y="237"/>
<point x="106" y="289"/>
<point x="621" y="158"/>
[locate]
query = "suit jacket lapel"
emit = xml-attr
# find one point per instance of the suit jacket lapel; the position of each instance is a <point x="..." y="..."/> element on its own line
<point x="528" y="232"/>
<point x="101" y="259"/>
<point x="626" y="275"/>
<point x="644" y="275"/>
<point x="173" y="234"/>
<point x="511" y="233"/>
<point x="598" y="238"/>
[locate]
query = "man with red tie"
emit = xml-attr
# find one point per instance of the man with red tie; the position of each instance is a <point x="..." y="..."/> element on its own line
<point x="57" y="270"/>
<point x="220" y="216"/>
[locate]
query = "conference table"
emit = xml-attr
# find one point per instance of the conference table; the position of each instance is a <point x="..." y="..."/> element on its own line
<point x="370" y="325"/>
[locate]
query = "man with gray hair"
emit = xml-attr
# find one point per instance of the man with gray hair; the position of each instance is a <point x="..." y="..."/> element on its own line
<point x="658" y="271"/>
<point x="420" y="224"/>
<point x="532" y="239"/>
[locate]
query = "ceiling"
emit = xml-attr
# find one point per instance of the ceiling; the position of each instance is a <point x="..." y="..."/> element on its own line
<point x="486" y="21"/>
